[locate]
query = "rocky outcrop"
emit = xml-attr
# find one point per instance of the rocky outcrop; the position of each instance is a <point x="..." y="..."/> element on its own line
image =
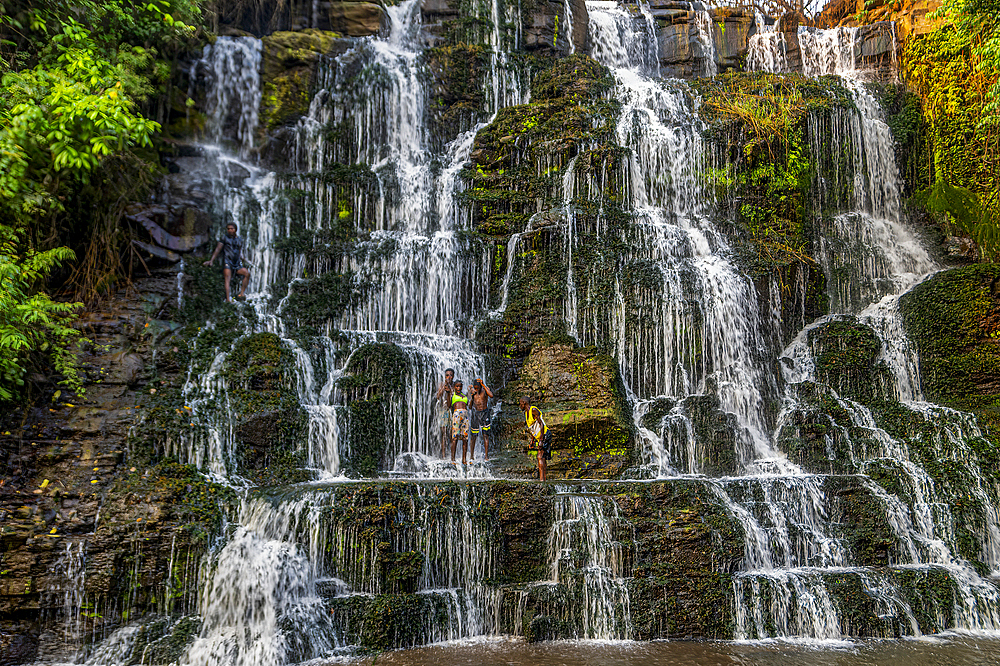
<point x="353" y="18"/>
<point x="693" y="40"/>
<point x="547" y="26"/>
<point x="581" y="399"/>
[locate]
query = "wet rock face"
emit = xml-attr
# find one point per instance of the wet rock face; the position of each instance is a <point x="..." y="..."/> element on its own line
<point x="667" y="548"/>
<point x="687" y="49"/>
<point x="93" y="529"/>
<point x="549" y="28"/>
<point x="353" y="18"/>
<point x="580" y="397"/>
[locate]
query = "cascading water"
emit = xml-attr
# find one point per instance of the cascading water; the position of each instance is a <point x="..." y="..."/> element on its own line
<point x="692" y="338"/>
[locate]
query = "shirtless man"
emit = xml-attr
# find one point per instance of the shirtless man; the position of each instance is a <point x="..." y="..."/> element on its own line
<point x="443" y="401"/>
<point x="480" y="395"/>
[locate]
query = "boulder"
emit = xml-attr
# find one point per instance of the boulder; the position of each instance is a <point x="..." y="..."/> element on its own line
<point x="580" y="397"/>
<point x="356" y="19"/>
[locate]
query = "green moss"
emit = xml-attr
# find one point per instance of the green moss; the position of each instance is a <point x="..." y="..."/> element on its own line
<point x="287" y="71"/>
<point x="757" y="125"/>
<point x="285" y="98"/>
<point x="315" y="302"/>
<point x="954" y="320"/>
<point x="847" y="359"/>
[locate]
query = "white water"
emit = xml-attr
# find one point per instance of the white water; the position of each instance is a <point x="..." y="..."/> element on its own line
<point x="692" y="335"/>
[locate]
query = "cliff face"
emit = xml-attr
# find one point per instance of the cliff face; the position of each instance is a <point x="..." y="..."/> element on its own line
<point x="102" y="525"/>
<point x="95" y="527"/>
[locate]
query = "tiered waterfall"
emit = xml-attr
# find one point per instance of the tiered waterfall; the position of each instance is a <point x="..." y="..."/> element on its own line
<point x="862" y="542"/>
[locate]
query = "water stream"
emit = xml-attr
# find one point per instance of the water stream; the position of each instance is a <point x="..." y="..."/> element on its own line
<point x="297" y="568"/>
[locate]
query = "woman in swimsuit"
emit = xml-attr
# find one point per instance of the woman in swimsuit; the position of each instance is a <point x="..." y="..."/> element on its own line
<point x="459" y="420"/>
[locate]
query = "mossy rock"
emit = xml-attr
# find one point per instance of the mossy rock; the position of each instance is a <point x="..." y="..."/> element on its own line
<point x="458" y="96"/>
<point x="847" y="359"/>
<point x="373" y="379"/>
<point x="576" y="77"/>
<point x="270" y="421"/>
<point x="582" y="400"/>
<point x="288" y="67"/>
<point x="953" y="319"/>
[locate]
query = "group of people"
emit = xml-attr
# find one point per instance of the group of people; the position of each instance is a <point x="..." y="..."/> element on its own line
<point x="461" y="415"/>
<point x="457" y="418"/>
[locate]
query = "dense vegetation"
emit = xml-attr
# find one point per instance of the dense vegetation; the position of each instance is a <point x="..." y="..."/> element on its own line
<point x="956" y="70"/>
<point x="77" y="81"/>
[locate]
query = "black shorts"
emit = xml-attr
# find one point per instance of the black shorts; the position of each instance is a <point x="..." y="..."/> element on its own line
<point x="546" y="445"/>
<point x="480" y="420"/>
<point x="233" y="265"/>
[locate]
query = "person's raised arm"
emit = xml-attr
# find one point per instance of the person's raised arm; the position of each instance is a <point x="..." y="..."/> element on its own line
<point x="486" y="388"/>
<point x="218" y="249"/>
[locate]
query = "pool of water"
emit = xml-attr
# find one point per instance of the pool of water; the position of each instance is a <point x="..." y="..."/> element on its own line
<point x="945" y="650"/>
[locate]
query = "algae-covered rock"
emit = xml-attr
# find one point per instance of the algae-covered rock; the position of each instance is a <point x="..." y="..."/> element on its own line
<point x="372" y="380"/>
<point x="288" y="67"/>
<point x="953" y="318"/>
<point x="581" y="399"/>
<point x="458" y="96"/>
<point x="269" y="421"/>
<point x="848" y="359"/>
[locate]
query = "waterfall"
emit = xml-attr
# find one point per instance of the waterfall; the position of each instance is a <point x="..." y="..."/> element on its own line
<point x="694" y="340"/>
<point x="582" y="545"/>
<point x="700" y="292"/>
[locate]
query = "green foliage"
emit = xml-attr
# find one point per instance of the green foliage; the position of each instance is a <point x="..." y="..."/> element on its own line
<point x="30" y="321"/>
<point x="59" y="120"/>
<point x="757" y="122"/>
<point x="956" y="70"/>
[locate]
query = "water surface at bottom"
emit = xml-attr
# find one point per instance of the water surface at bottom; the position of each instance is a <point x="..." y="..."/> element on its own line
<point x="933" y="651"/>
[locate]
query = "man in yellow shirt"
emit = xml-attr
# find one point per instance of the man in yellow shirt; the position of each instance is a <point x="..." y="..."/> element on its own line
<point x="538" y="432"/>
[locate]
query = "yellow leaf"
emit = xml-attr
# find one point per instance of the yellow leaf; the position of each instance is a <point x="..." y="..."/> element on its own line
<point x="45" y="483"/>
<point x="53" y="531"/>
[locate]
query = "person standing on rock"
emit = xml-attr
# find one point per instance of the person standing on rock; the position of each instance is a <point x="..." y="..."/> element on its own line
<point x="232" y="260"/>
<point x="442" y="400"/>
<point x="538" y="432"/>
<point x="459" y="421"/>
<point x="480" y="394"/>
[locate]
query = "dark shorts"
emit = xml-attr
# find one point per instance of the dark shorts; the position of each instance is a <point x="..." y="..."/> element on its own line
<point x="480" y="420"/>
<point x="546" y="445"/>
<point x="233" y="265"/>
